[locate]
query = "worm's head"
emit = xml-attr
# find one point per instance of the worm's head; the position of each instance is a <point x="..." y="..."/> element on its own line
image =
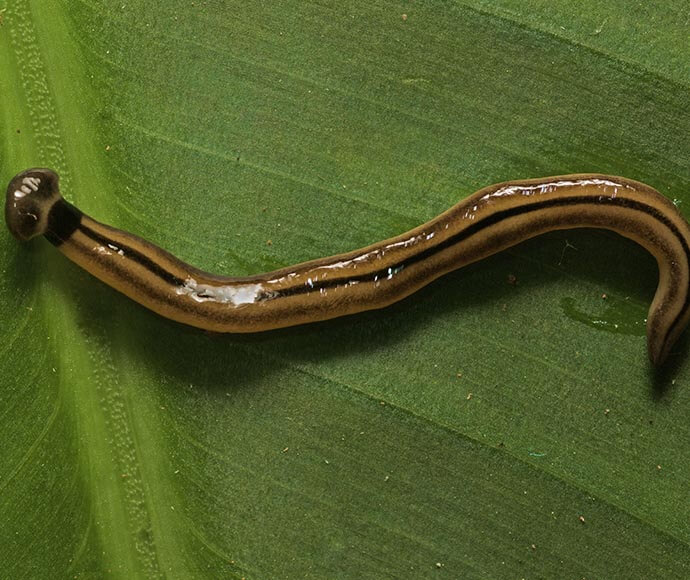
<point x="30" y="196"/>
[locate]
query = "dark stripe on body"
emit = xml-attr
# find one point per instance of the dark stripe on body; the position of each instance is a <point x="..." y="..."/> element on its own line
<point x="64" y="219"/>
<point x="488" y="222"/>
<point x="135" y="255"/>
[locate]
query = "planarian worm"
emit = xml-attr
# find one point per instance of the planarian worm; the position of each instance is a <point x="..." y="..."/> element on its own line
<point x="492" y="219"/>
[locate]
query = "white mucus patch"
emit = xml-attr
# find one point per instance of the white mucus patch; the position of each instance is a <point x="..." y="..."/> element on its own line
<point x="529" y="190"/>
<point x="118" y="251"/>
<point x="404" y="243"/>
<point x="234" y="294"/>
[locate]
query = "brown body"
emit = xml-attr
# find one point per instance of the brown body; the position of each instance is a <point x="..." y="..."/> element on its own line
<point x="487" y="222"/>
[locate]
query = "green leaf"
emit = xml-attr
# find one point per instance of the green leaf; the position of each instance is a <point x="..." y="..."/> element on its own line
<point x="478" y="429"/>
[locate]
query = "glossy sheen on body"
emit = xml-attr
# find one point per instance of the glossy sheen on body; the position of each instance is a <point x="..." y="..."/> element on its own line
<point x="492" y="219"/>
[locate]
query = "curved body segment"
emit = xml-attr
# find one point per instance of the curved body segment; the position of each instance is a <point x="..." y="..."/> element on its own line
<point x="492" y="219"/>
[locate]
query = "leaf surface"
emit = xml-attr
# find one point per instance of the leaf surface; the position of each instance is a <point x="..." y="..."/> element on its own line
<point x="478" y="429"/>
